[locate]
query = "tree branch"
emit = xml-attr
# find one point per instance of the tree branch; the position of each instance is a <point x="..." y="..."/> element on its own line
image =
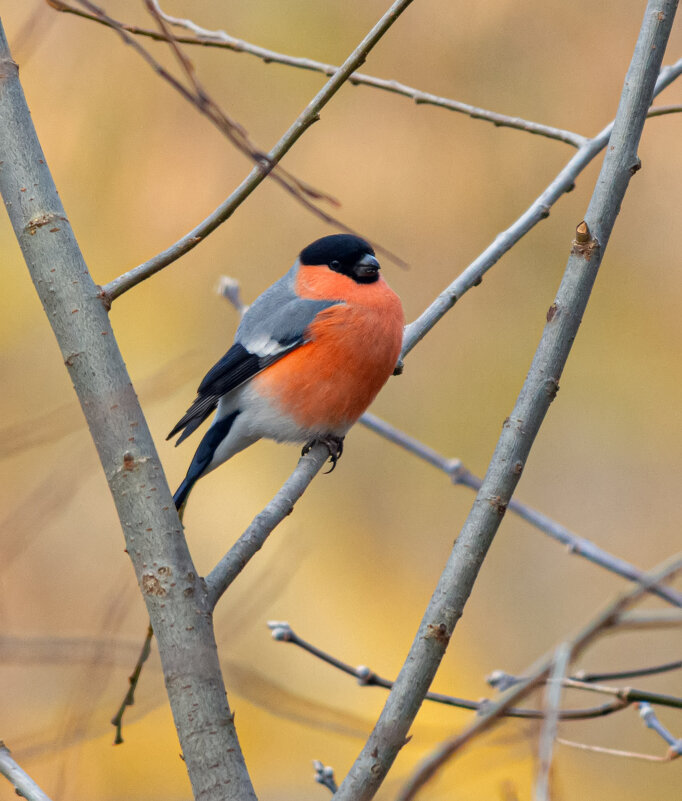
<point x="519" y="431"/>
<point x="562" y="658"/>
<point x="173" y="593"/>
<point x="22" y="782"/>
<point x="460" y="475"/>
<point x="535" y="213"/>
<point x="307" y="117"/>
<point x="222" y="40"/>
<point x="253" y="539"/>
<point x="535" y="675"/>
<point x="282" y="632"/>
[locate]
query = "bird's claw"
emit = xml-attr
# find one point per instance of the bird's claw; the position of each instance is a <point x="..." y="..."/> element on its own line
<point x="333" y="444"/>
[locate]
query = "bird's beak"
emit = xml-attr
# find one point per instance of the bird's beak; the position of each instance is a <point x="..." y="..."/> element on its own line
<point x="367" y="265"/>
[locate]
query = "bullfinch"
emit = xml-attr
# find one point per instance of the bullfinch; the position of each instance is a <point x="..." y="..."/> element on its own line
<point x="310" y="355"/>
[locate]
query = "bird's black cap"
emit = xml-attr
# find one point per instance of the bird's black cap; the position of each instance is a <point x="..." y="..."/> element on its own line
<point x="344" y="253"/>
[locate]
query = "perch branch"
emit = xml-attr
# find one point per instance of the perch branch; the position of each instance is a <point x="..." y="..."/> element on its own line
<point x="253" y="539"/>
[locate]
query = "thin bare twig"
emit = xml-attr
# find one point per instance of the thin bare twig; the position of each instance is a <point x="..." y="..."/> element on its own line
<point x="535" y="213"/>
<point x="652" y="722"/>
<point x="220" y="39"/>
<point x="562" y="659"/>
<point x="628" y="674"/>
<point x="651" y="619"/>
<point x="535" y="675"/>
<point x="282" y="632"/>
<point x="24" y="785"/>
<point x="460" y="475"/>
<point x="133" y="680"/>
<point x="308" y="116"/>
<point x="235" y="133"/>
<point x="599" y="749"/>
<point x="659" y="111"/>
<point x="324" y="775"/>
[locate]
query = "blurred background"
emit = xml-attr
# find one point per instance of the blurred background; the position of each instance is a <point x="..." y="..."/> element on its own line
<point x="354" y="566"/>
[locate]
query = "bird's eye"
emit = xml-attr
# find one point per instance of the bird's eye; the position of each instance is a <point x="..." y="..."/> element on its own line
<point x="334" y="264"/>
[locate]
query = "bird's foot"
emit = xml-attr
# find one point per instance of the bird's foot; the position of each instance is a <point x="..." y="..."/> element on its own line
<point x="333" y="444"/>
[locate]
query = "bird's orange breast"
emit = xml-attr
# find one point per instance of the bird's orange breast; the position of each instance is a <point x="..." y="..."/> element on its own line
<point x="326" y="384"/>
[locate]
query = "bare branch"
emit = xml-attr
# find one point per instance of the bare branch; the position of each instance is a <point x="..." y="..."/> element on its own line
<point x="129" y="698"/>
<point x="519" y="432"/>
<point x="460" y="475"/>
<point x="282" y="632"/>
<point x="652" y="722"/>
<point x="24" y="785"/>
<point x="628" y="674"/>
<point x="535" y="675"/>
<point x="253" y="539"/>
<point x="562" y="659"/>
<point x="598" y="749"/>
<point x="307" y="117"/>
<point x="174" y="595"/>
<point x="651" y="619"/>
<point x="220" y="39"/>
<point x="537" y="211"/>
<point x="324" y="775"/>
<point x="659" y="111"/>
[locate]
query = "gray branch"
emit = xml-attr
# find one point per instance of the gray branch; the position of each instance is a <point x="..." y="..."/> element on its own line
<point x="308" y="116"/>
<point x="535" y="213"/>
<point x="534" y="676"/>
<point x="521" y="428"/>
<point x="253" y="539"/>
<point x="175" y="597"/>
<point x="459" y="475"/>
<point x="24" y="785"/>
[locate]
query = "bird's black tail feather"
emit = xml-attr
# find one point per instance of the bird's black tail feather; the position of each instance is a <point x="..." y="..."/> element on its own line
<point x="202" y="458"/>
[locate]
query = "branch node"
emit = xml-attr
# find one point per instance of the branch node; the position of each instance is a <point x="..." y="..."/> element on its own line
<point x="281" y="630"/>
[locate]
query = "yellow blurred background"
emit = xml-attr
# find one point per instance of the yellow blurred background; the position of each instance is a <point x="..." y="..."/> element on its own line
<point x="354" y="566"/>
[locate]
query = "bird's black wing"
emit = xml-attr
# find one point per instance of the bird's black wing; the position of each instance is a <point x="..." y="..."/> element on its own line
<point x="273" y="326"/>
<point x="237" y="366"/>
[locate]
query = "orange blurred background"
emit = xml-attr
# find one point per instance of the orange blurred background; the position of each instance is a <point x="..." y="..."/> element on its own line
<point x="354" y="566"/>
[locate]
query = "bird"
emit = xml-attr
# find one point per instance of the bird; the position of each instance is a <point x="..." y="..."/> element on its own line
<point x="309" y="356"/>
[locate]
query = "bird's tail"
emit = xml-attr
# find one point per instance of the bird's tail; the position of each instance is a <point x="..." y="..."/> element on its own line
<point x="181" y="496"/>
<point x="202" y="459"/>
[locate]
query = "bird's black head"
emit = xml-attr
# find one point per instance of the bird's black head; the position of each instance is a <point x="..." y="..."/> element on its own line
<point x="344" y="254"/>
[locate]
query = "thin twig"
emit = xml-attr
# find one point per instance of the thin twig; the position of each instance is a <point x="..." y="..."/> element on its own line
<point x="282" y="632"/>
<point x="220" y="39"/>
<point x="235" y="133"/>
<point x="599" y="749"/>
<point x="23" y="784"/>
<point x="324" y="775"/>
<point x="460" y="475"/>
<point x="307" y="117"/>
<point x="133" y="680"/>
<point x="562" y="659"/>
<point x="628" y="674"/>
<point x="628" y="694"/>
<point x="652" y="722"/>
<point x="535" y="213"/>
<point x="535" y="675"/>
<point x="659" y="111"/>
<point x="651" y="619"/>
